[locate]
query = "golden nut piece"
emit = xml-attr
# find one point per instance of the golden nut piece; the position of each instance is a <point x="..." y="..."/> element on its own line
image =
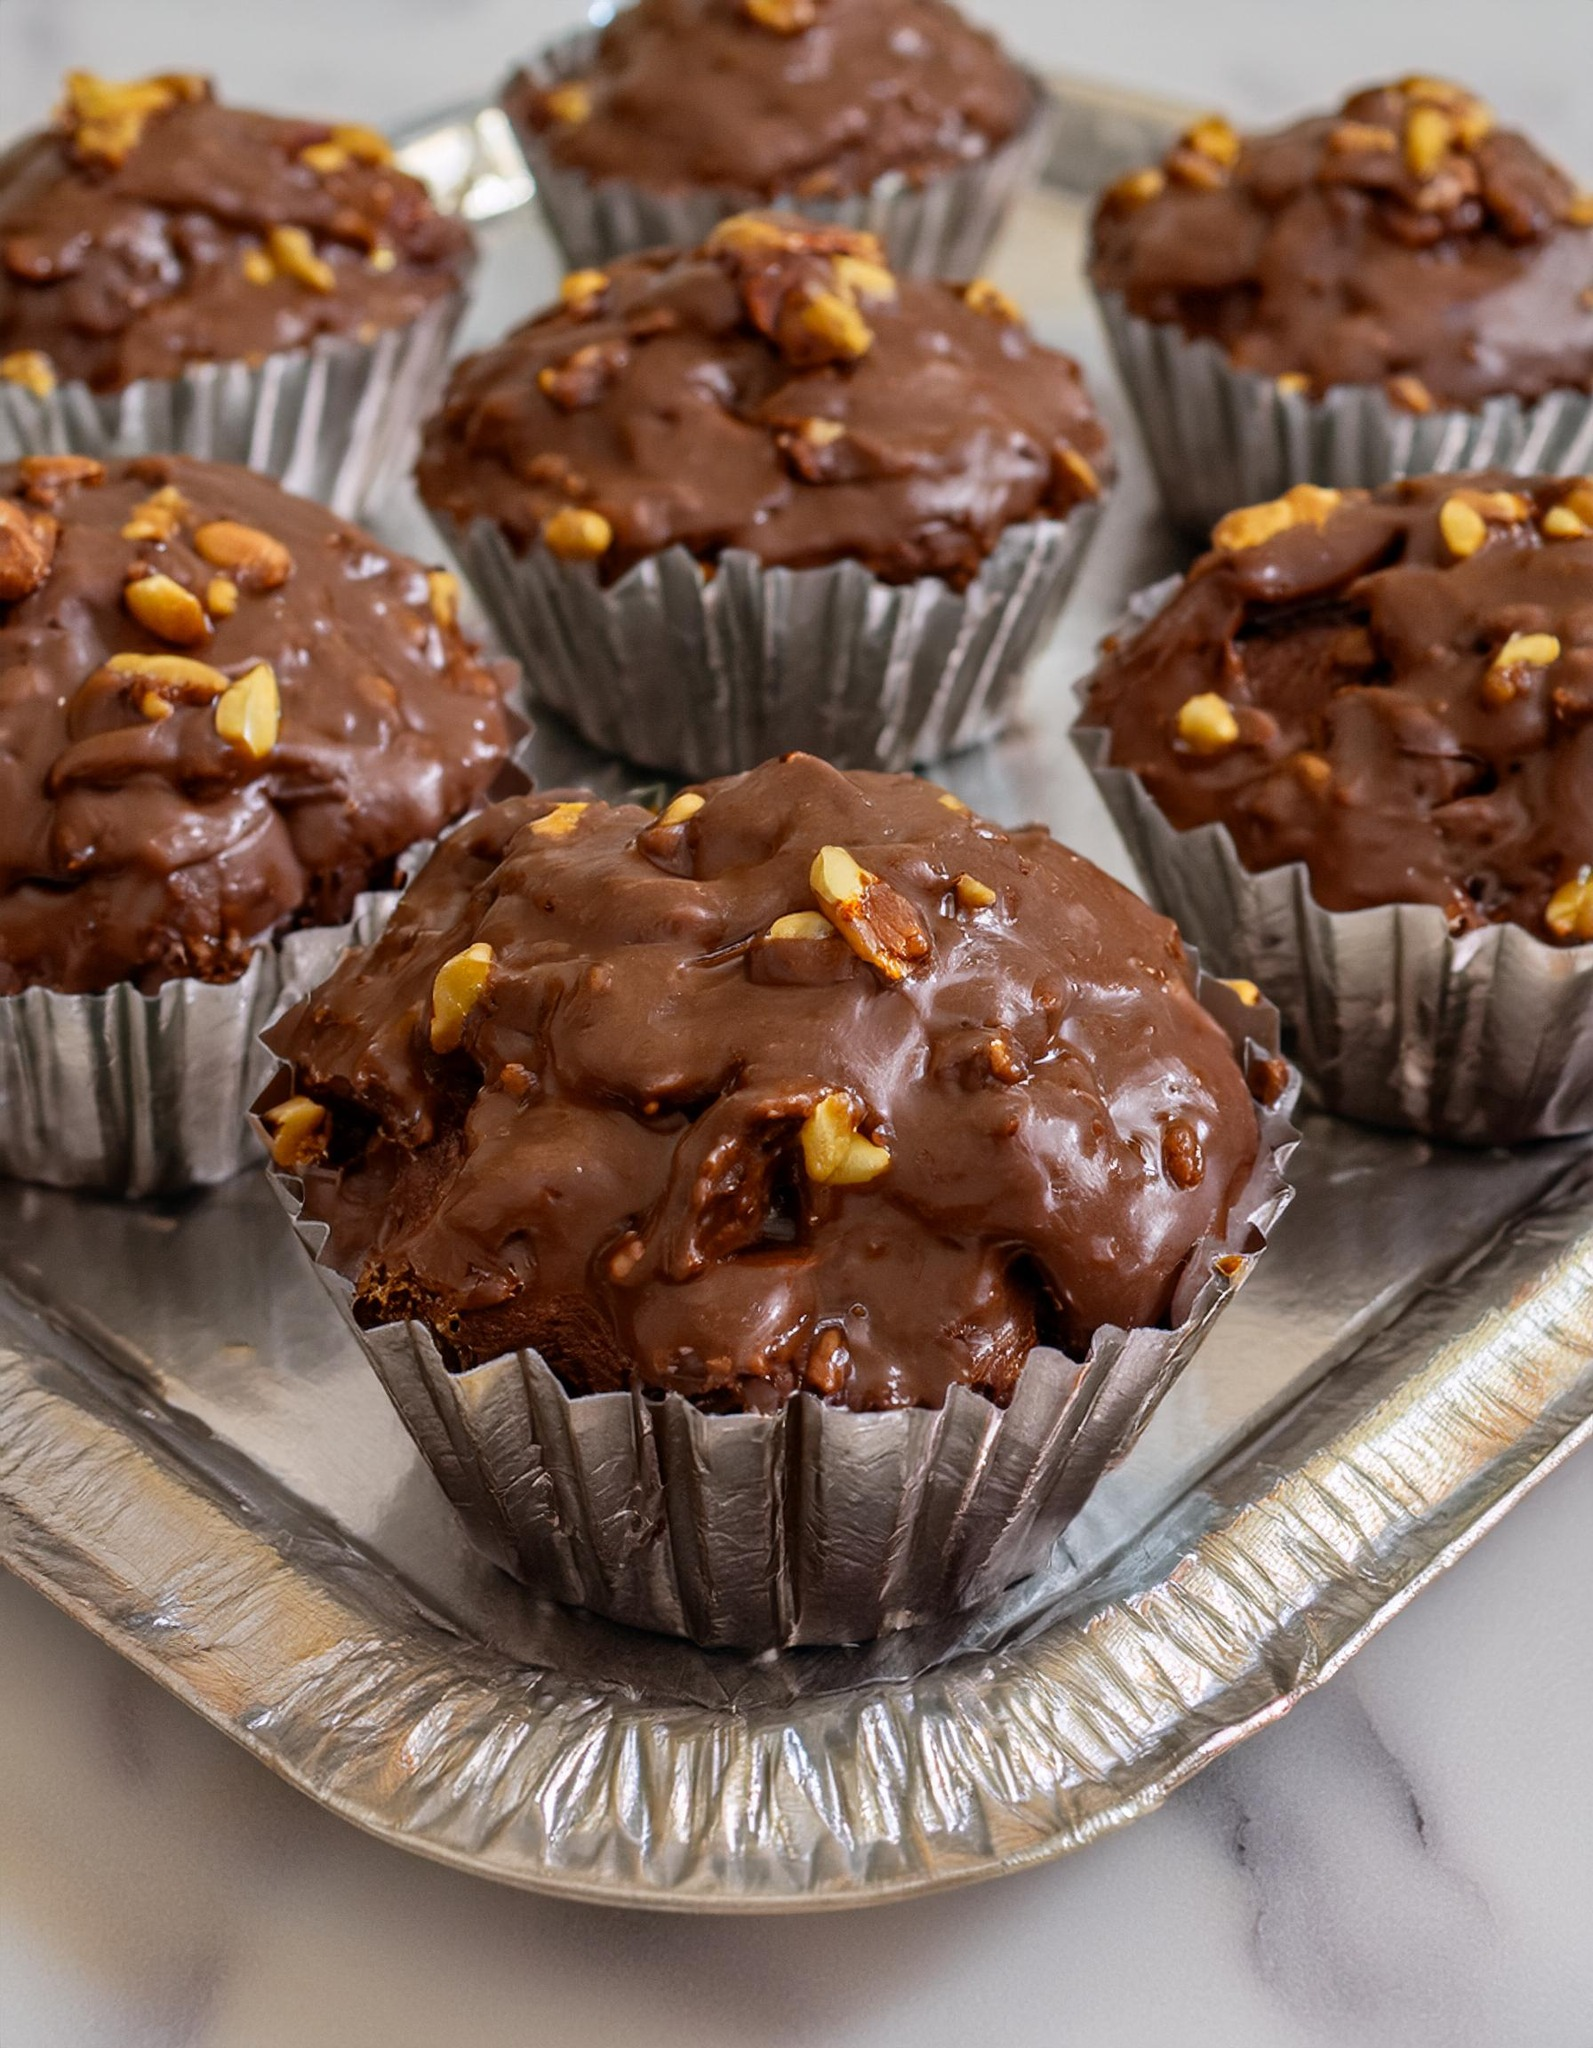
<point x="801" y="924"/>
<point x="298" y="1132"/>
<point x="1079" y="468"/>
<point x="984" y="297"/>
<point x="324" y="158"/>
<point x="44" y="477"/>
<point x="859" y="278"/>
<point x="1579" y="210"/>
<point x="1139" y="187"/>
<point x="1206" y="723"/>
<point x="29" y="368"/>
<point x="1570" y="909"/>
<point x="839" y="325"/>
<point x="1463" y="527"/>
<point x="685" y="806"/>
<point x="973" y="894"/>
<point x="1506" y="677"/>
<point x="581" y="287"/>
<point x="442" y="593"/>
<point x="293" y="253"/>
<point x="249" y="713"/>
<point x="781" y="17"/>
<point x="1508" y="507"/>
<point x="258" y="267"/>
<point x="1410" y="393"/>
<point x="1291" y="381"/>
<point x="162" y="607"/>
<point x="158" y="517"/>
<point x="1428" y="134"/>
<point x="1246" y="991"/>
<point x="459" y="986"/>
<point x="558" y="823"/>
<point x="745" y="232"/>
<point x="158" y="682"/>
<point x="1562" y="522"/>
<point x="876" y="921"/>
<point x="576" y="535"/>
<point x="108" y="118"/>
<point x="1215" y="138"/>
<point x="570" y="104"/>
<point x="27" y="548"/>
<point x="221" y="597"/>
<point x="953" y="803"/>
<point x="833" y="1152"/>
<point x="822" y="433"/>
<point x="1251" y="525"/>
<point x="1352" y="138"/>
<point x="255" y="558"/>
<point x="364" y="145"/>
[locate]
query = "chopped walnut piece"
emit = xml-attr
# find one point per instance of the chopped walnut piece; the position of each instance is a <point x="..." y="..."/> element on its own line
<point x="833" y="1152"/>
<point x="876" y="921"/>
<point x="249" y="712"/>
<point x="459" y="986"/>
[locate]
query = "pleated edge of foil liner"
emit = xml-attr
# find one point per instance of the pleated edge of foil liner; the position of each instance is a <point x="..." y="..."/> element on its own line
<point x="707" y="676"/>
<point x="941" y="228"/>
<point x="755" y="1532"/>
<point x="1367" y="987"/>
<point x="333" y="422"/>
<point x="1219" y="437"/>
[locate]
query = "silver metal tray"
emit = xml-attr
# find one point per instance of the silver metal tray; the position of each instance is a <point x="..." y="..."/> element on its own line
<point x="196" y="1463"/>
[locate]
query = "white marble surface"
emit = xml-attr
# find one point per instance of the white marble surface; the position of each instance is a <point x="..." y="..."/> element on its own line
<point x="1406" y="1862"/>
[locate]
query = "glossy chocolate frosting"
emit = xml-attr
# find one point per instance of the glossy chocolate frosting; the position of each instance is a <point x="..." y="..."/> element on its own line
<point x="152" y="228"/>
<point x="780" y="98"/>
<point x="683" y="1144"/>
<point x="207" y="737"/>
<point x="1405" y="240"/>
<point x="1396" y="689"/>
<point x="776" y="390"/>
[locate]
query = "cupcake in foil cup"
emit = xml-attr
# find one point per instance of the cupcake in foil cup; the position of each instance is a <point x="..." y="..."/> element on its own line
<point x="763" y="495"/>
<point x="1396" y="289"/>
<point x="1281" y="787"/>
<point x="937" y="220"/>
<point x="302" y="321"/>
<point x="258" y="714"/>
<point x="809" y="1390"/>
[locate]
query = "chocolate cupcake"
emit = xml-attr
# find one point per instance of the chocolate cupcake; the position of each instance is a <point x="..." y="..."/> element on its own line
<point x="762" y="495"/>
<point x="813" y="1138"/>
<point x="224" y="716"/>
<point x="179" y="275"/>
<point x="1353" y="755"/>
<point x="1400" y="287"/>
<point x="896" y="116"/>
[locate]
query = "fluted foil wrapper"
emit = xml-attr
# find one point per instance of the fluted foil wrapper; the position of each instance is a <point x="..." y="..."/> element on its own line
<point x="708" y="675"/>
<point x="140" y="1095"/>
<point x="335" y="422"/>
<point x="813" y="1525"/>
<point x="1485" y="1039"/>
<point x="1220" y="437"/>
<point x="941" y="228"/>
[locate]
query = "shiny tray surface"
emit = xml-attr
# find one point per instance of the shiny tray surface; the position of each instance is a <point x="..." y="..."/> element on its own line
<point x="197" y="1463"/>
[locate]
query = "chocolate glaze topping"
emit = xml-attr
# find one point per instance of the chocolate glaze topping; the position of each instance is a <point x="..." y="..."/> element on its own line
<point x="223" y="711"/>
<point x="1396" y="689"/>
<point x="1405" y="240"/>
<point x="780" y="98"/>
<point x="715" y="1112"/>
<point x="152" y="228"/>
<point x="776" y="390"/>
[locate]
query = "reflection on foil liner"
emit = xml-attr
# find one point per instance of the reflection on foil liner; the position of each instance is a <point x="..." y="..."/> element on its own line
<point x="710" y="675"/>
<point x="1220" y="437"/>
<point x="816" y="1525"/>
<point x="139" y="1095"/>
<point x="940" y="228"/>
<point x="1485" y="1039"/>
<point x="335" y="422"/>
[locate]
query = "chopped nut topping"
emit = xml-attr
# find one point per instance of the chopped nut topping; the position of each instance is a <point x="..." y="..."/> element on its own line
<point x="27" y="548"/>
<point x="1509" y="507"/>
<point x="45" y="477"/>
<point x="1183" y="1161"/>
<point x="1560" y="522"/>
<point x="570" y="104"/>
<point x="801" y="924"/>
<point x="221" y="597"/>
<point x="839" y="325"/>
<point x="324" y="158"/>
<point x="293" y="253"/>
<point x="249" y="712"/>
<point x="558" y="823"/>
<point x="162" y="607"/>
<point x="576" y="535"/>
<point x="781" y="17"/>
<point x="1463" y="527"/>
<point x="1579" y="211"/>
<point x="973" y="894"/>
<point x="822" y="433"/>
<point x="1570" y="909"/>
<point x="31" y="369"/>
<point x="460" y="984"/>
<point x="984" y="297"/>
<point x="299" y="1131"/>
<point x="442" y="593"/>
<point x="1506" y="677"/>
<point x="1314" y="770"/>
<point x="1428" y="135"/>
<point x="685" y="806"/>
<point x="1215" y="138"/>
<point x="1005" y="1064"/>
<point x="258" y="560"/>
<point x="1292" y="381"/>
<point x="158" y="517"/>
<point x="581" y="287"/>
<point x="383" y="257"/>
<point x="584" y="375"/>
<point x="876" y="921"/>
<point x="1351" y="138"/>
<point x="1410" y="393"/>
<point x="833" y="1152"/>
<point x="1206" y="723"/>
<point x="1250" y="525"/>
<point x="1079" y="468"/>
<point x="157" y="682"/>
<point x="860" y="278"/>
<point x="1139" y="186"/>
<point x="745" y="232"/>
<point x="953" y="803"/>
<point x="1189" y="167"/>
<point x="108" y="119"/>
<point x="1246" y="991"/>
<point x="258" y="267"/>
<point x="827" y="1360"/>
<point x="364" y="145"/>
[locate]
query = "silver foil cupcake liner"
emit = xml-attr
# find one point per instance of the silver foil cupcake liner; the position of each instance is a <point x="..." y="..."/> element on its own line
<point x="1485" y="1039"/>
<point x="941" y="228"/>
<point x="1219" y="437"/>
<point x="814" y="1525"/>
<point x="140" y="1095"/>
<point x="335" y="422"/>
<point x="706" y="675"/>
